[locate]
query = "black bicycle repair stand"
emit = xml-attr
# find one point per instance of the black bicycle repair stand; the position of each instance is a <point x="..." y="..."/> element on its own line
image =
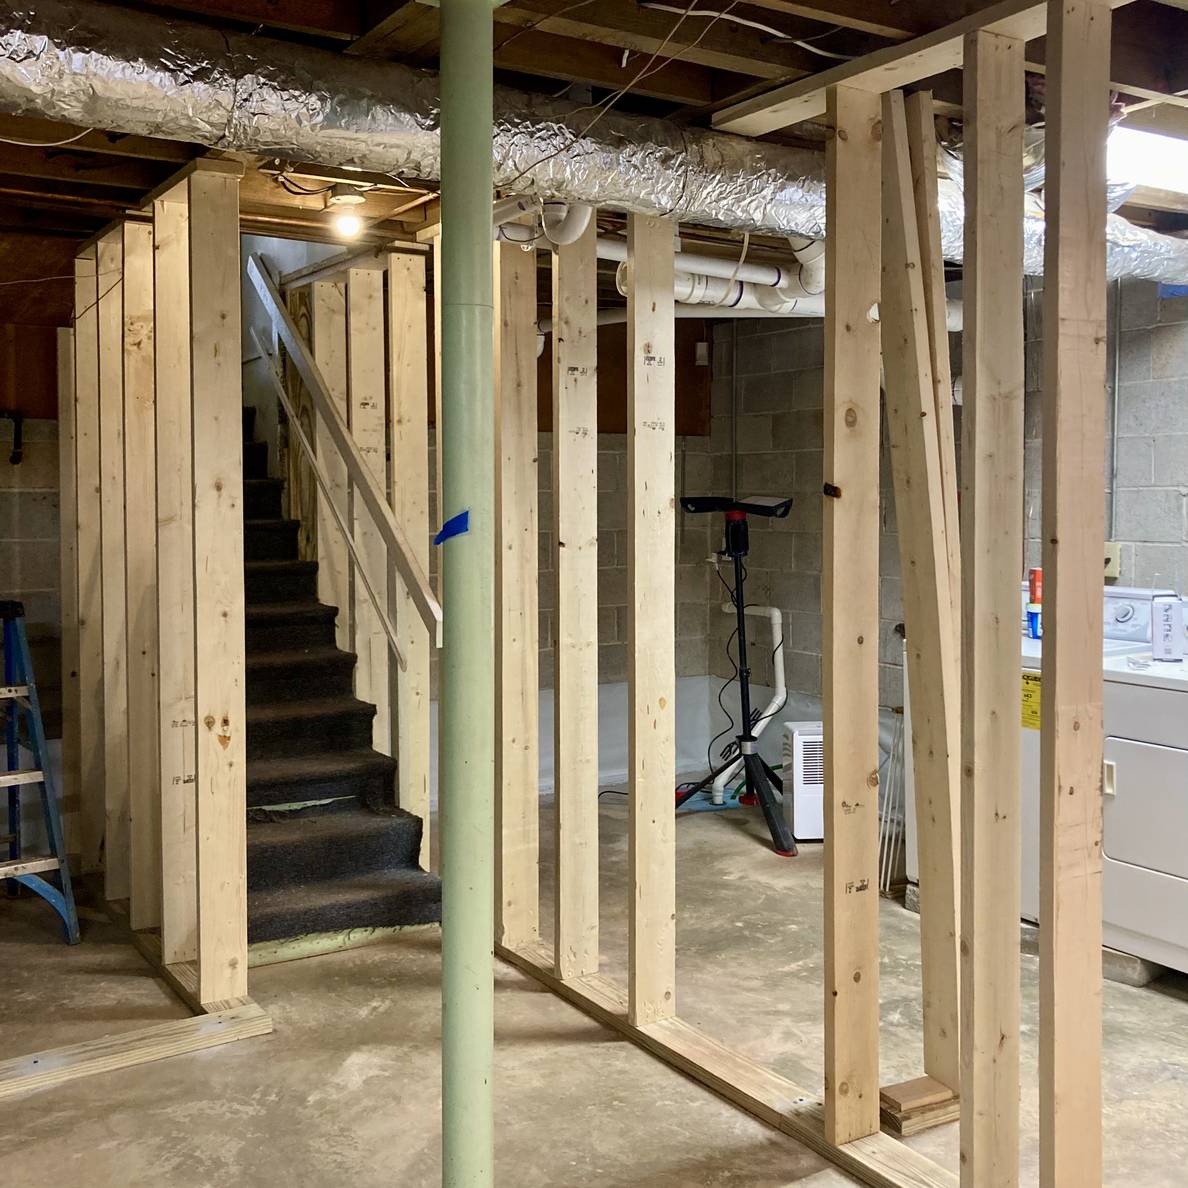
<point x="762" y="783"/>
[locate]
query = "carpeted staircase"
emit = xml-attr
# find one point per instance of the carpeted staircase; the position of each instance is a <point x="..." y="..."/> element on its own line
<point x="327" y="850"/>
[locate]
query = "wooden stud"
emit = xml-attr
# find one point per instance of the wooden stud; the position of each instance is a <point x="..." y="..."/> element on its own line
<point x="651" y="662"/>
<point x="408" y="403"/>
<point x="140" y="535"/>
<point x="71" y="788"/>
<point x="1073" y="532"/>
<point x="117" y="837"/>
<point x="575" y="530"/>
<point x="175" y="577"/>
<point x="992" y="482"/>
<point x="90" y="581"/>
<point x="849" y="600"/>
<point x="517" y="694"/>
<point x="367" y="389"/>
<point x="218" y="585"/>
<point x="932" y="657"/>
<point x="921" y="138"/>
<point x="328" y="333"/>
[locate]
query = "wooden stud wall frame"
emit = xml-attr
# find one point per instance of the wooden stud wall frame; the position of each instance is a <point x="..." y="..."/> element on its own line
<point x="843" y="1125"/>
<point x="155" y="610"/>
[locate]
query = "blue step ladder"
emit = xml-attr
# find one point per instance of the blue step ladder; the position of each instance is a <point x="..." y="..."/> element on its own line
<point x="48" y="875"/>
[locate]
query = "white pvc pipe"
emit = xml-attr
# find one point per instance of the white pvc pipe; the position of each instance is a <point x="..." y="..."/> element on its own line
<point x="564" y="223"/>
<point x="779" y="691"/>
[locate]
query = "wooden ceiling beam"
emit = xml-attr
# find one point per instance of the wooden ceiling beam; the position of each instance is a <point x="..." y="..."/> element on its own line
<point x="110" y="144"/>
<point x="70" y="166"/>
<point x="884" y="70"/>
<point x="570" y="60"/>
<point x="338" y="20"/>
<point x="720" y="45"/>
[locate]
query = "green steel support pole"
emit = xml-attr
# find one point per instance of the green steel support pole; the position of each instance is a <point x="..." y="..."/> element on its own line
<point x="468" y="661"/>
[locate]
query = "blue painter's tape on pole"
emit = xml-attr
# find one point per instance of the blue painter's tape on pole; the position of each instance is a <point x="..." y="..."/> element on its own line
<point x="454" y="526"/>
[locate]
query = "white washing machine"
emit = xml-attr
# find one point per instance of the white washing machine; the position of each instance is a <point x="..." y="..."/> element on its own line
<point x="1145" y="808"/>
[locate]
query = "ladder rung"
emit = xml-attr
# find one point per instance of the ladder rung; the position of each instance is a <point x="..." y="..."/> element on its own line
<point x="10" y="779"/>
<point x="24" y="866"/>
<point x="13" y="692"/>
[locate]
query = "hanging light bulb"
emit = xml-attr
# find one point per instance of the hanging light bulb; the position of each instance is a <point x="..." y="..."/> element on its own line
<point x="344" y="200"/>
<point x="347" y="224"/>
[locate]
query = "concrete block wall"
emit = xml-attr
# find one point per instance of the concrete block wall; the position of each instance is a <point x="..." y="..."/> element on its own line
<point x="1150" y="514"/>
<point x="693" y="576"/>
<point x="774" y="371"/>
<point x="29" y="558"/>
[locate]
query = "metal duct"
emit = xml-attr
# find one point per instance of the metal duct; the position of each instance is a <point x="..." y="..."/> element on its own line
<point x="94" y="65"/>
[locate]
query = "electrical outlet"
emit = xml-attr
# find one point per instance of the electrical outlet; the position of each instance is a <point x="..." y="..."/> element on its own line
<point x="1113" y="559"/>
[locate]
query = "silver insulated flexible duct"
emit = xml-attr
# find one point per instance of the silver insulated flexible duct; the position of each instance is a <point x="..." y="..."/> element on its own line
<point x="98" y="66"/>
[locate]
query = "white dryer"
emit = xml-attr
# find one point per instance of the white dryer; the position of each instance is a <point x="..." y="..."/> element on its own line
<point x="1145" y="805"/>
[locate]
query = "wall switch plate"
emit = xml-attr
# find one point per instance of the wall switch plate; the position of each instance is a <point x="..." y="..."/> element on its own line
<point x="1113" y="559"/>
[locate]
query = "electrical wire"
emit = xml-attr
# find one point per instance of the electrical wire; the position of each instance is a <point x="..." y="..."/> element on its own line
<point x="746" y="22"/>
<point x="46" y="143"/>
<point x="286" y="183"/>
<point x="603" y="106"/>
<point x="734" y="275"/>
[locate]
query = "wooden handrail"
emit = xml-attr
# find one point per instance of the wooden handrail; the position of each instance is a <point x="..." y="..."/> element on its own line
<point x="360" y="474"/>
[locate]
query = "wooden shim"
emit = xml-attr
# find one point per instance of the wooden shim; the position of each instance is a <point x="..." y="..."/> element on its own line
<point x="175" y="578"/>
<point x="71" y="789"/>
<point x="1074" y="415"/>
<point x="408" y="396"/>
<point x="56" y="1066"/>
<point x="90" y="587"/>
<point x="117" y="836"/>
<point x="517" y="631"/>
<point x="367" y="388"/>
<point x="140" y="535"/>
<point x="875" y="1160"/>
<point x="328" y="332"/>
<point x="651" y="655"/>
<point x="933" y="661"/>
<point x="365" y="485"/>
<point x="218" y="586"/>
<point x="921" y="138"/>
<point x="575" y="530"/>
<point x="912" y="1106"/>
<point x="850" y="611"/>
<point x="992" y="481"/>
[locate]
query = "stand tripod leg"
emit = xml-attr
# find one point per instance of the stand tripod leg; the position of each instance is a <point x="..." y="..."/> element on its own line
<point x="781" y="836"/>
<point x="772" y="778"/>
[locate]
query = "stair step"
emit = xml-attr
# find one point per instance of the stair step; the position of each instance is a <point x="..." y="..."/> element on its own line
<point x="364" y="774"/>
<point x="280" y="581"/>
<point x="262" y="498"/>
<point x="380" y="899"/>
<point x="270" y="540"/>
<point x="300" y="727"/>
<point x="255" y="459"/>
<point x="283" y="626"/>
<point x="298" y="674"/>
<point x="312" y="845"/>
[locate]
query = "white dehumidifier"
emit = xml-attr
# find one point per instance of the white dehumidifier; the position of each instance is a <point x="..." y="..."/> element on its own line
<point x="803" y="777"/>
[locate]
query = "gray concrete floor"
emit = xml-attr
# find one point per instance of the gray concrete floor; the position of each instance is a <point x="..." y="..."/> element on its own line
<point x="346" y="1091"/>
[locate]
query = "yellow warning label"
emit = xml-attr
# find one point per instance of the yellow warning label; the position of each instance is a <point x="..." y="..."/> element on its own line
<point x="1031" y="700"/>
